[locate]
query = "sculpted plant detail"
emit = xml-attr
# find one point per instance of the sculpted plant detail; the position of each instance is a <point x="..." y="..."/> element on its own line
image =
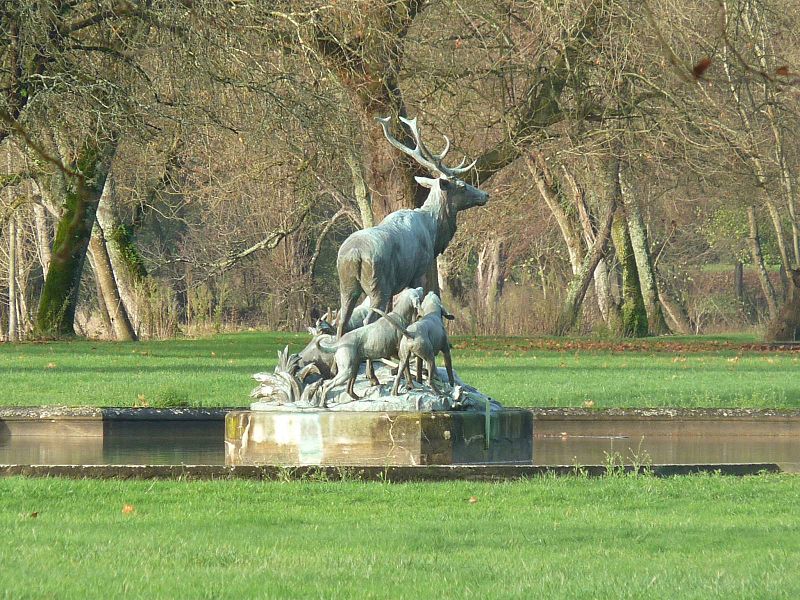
<point x="383" y="260"/>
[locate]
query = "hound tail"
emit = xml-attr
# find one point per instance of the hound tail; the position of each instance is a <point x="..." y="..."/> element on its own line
<point x="393" y="321"/>
<point x="324" y="348"/>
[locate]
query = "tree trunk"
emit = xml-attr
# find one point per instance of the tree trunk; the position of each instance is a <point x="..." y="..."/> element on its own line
<point x="674" y="309"/>
<point x="449" y="283"/>
<point x="23" y="316"/>
<point x="552" y="196"/>
<point x="125" y="261"/>
<point x="754" y="243"/>
<point x="42" y="238"/>
<point x="361" y="192"/>
<point x="59" y="298"/>
<point x="634" y="314"/>
<point x="785" y="327"/>
<point x="608" y="305"/>
<point x="107" y="286"/>
<point x="750" y="147"/>
<point x="738" y="281"/>
<point x="644" y="262"/>
<point x="13" y="331"/>
<point x="490" y="276"/>
<point x="760" y="48"/>
<point x="108" y="328"/>
<point x="389" y="175"/>
<point x="576" y="290"/>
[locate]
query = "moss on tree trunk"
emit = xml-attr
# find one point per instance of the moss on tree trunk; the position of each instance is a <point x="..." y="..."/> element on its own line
<point x="634" y="314"/>
<point x="59" y="299"/>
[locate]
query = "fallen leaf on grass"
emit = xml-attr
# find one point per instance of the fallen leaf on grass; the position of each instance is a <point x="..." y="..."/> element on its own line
<point x="128" y="509"/>
<point x="34" y="514"/>
<point x="213" y="355"/>
<point x="588" y="404"/>
<point x="473" y="499"/>
<point x="50" y="366"/>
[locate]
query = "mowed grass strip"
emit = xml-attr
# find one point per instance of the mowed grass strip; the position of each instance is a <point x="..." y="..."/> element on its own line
<point x="614" y="537"/>
<point x="682" y="372"/>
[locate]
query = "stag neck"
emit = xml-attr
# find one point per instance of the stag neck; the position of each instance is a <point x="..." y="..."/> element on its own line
<point x="443" y="216"/>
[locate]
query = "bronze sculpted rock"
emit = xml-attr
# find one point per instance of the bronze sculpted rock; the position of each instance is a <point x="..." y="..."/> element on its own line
<point x="382" y="261"/>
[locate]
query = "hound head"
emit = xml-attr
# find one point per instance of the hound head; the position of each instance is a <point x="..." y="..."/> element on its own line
<point x="432" y="305"/>
<point x="408" y="301"/>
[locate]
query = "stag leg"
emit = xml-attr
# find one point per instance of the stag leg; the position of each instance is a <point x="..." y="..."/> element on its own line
<point x="349" y="299"/>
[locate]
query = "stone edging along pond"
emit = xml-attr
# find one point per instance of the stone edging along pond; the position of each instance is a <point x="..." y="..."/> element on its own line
<point x="14" y="413"/>
<point x="95" y="422"/>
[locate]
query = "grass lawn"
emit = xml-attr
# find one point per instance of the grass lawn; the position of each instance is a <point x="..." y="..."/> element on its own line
<point x="215" y="371"/>
<point x="614" y="537"/>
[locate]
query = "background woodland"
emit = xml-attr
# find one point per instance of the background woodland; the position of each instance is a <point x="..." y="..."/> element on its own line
<point x="184" y="166"/>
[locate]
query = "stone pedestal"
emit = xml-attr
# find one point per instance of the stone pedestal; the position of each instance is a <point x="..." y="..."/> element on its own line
<point x="378" y="438"/>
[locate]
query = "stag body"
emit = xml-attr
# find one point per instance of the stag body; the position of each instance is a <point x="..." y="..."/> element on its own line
<point x="383" y="260"/>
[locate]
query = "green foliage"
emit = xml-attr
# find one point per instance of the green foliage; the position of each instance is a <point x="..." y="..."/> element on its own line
<point x="726" y="230"/>
<point x="571" y="537"/>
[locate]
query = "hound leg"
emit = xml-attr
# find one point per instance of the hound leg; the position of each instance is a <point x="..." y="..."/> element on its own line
<point x="448" y="363"/>
<point x="339" y="379"/>
<point x="419" y="369"/>
<point x="403" y="366"/>
<point x="371" y="373"/>
<point x="409" y="378"/>
<point x="350" y="390"/>
<point x="431" y="370"/>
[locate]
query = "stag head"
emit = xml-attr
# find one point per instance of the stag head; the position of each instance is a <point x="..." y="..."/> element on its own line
<point x="447" y="179"/>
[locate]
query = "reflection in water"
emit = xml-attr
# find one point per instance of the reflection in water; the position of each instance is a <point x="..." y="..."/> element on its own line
<point x="682" y="449"/>
<point x="201" y="443"/>
<point x="123" y="443"/>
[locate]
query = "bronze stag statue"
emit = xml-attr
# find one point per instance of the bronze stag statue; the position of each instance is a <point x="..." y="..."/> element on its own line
<point x="384" y="260"/>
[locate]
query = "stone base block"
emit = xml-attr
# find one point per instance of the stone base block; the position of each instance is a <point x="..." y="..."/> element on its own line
<point x="378" y="438"/>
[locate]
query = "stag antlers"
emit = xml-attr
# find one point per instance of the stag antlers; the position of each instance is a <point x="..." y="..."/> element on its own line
<point x="421" y="154"/>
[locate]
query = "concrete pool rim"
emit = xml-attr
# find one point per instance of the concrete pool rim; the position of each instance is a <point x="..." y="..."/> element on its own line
<point x="45" y="412"/>
<point x="77" y="418"/>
